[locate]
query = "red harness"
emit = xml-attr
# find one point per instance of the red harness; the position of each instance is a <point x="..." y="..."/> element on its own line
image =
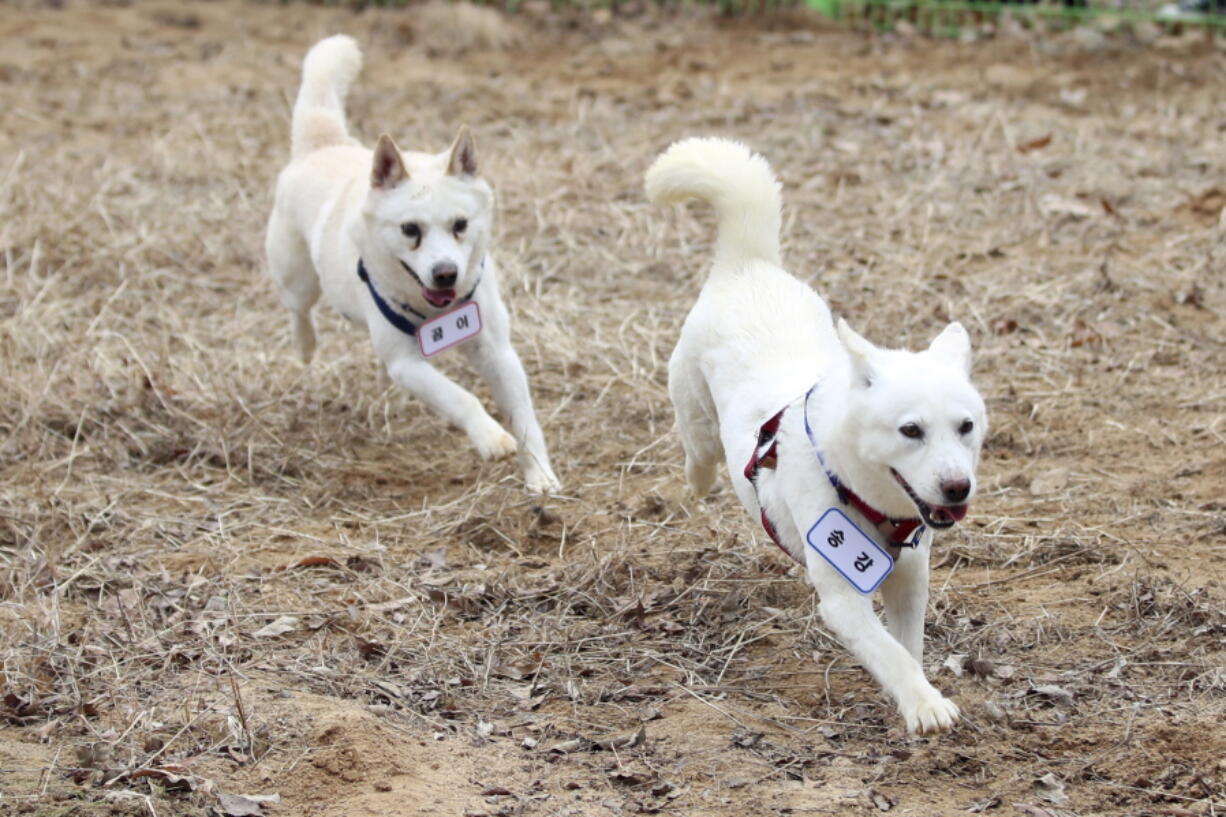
<point x="898" y="532"/>
<point x="766" y="455"/>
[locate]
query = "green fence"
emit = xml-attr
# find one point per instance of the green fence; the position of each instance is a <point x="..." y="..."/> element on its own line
<point x="941" y="17"/>
<point x="952" y="16"/>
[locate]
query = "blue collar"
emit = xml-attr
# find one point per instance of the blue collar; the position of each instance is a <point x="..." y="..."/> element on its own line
<point x="395" y="318"/>
<point x="901" y="532"/>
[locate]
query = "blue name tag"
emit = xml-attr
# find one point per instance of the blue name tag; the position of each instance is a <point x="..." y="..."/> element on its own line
<point x="849" y="550"/>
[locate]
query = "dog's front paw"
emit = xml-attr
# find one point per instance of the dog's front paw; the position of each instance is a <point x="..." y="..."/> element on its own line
<point x="542" y="481"/>
<point x="495" y="444"/>
<point x="929" y="713"/>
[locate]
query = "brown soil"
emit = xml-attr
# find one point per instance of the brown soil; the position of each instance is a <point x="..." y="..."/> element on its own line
<point x="172" y="480"/>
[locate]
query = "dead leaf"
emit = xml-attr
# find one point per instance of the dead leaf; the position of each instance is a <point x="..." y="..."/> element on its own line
<point x="637" y="692"/>
<point x="524" y="667"/>
<point x="465" y="605"/>
<point x="980" y="806"/>
<point x="521" y="692"/>
<point x="634" y="614"/>
<point x="1034" y="144"/>
<point x="670" y="627"/>
<point x="994" y="711"/>
<point x="370" y="650"/>
<point x="433" y="559"/>
<point x="310" y="561"/>
<point x="627" y="777"/>
<point x="1051" y="788"/>
<point x="95" y="756"/>
<point x="662" y="788"/>
<point x="1004" y="326"/>
<point x="392" y="690"/>
<point x="173" y="778"/>
<point x="1208" y="204"/>
<point x="625" y="740"/>
<point x="1055" y="693"/>
<point x="745" y="740"/>
<point x="881" y="801"/>
<point x="362" y="564"/>
<point x="571" y="745"/>
<point x="281" y="626"/>
<point x="243" y="805"/>
<point x="954" y="663"/>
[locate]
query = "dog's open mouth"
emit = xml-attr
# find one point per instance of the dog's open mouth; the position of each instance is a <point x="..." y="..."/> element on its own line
<point x="434" y="297"/>
<point x="438" y="297"/>
<point x="937" y="516"/>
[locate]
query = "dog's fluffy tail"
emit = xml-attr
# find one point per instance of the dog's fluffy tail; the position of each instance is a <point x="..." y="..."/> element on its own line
<point x="319" y="114"/>
<point x="738" y="183"/>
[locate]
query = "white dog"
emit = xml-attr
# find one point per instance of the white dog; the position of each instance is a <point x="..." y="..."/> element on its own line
<point x="399" y="244"/>
<point x="848" y="453"/>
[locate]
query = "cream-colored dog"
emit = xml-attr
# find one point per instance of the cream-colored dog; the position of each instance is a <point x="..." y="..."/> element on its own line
<point x="848" y="454"/>
<point x="399" y="243"/>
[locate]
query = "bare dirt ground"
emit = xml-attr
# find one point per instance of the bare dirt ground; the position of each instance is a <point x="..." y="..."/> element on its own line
<point x="223" y="573"/>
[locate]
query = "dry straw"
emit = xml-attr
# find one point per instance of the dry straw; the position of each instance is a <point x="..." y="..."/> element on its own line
<point x="208" y="551"/>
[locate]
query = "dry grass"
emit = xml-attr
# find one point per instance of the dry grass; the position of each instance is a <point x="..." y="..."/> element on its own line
<point x="172" y="482"/>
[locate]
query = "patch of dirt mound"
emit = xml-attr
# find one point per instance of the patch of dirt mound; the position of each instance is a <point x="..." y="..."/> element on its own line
<point x="354" y="749"/>
<point x="357" y="763"/>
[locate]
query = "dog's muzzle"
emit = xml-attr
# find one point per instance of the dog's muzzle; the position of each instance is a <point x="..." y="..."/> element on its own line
<point x="435" y="297"/>
<point x="937" y="516"/>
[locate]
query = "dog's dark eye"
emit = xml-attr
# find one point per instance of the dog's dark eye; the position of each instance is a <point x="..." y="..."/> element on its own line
<point x="461" y="224"/>
<point x="967" y="427"/>
<point x="411" y="231"/>
<point x="911" y="431"/>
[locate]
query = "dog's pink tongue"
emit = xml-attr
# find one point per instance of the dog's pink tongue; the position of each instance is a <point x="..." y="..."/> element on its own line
<point x="955" y="513"/>
<point x="438" y="297"/>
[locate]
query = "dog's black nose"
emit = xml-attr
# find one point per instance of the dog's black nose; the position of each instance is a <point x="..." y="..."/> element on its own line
<point x="955" y="491"/>
<point x="444" y="274"/>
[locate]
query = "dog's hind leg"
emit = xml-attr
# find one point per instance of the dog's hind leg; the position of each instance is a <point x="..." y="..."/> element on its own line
<point x="697" y="425"/>
<point x="289" y="264"/>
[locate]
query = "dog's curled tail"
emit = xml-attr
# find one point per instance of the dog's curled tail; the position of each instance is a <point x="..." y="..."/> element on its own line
<point x="319" y="113"/>
<point x="738" y="183"/>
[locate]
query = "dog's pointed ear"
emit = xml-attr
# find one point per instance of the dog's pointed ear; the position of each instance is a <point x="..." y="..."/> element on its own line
<point x="463" y="158"/>
<point x="860" y="351"/>
<point x="387" y="170"/>
<point x="953" y="344"/>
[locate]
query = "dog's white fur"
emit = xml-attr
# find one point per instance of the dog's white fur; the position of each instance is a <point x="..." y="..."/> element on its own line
<point x="337" y="202"/>
<point x="755" y="341"/>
